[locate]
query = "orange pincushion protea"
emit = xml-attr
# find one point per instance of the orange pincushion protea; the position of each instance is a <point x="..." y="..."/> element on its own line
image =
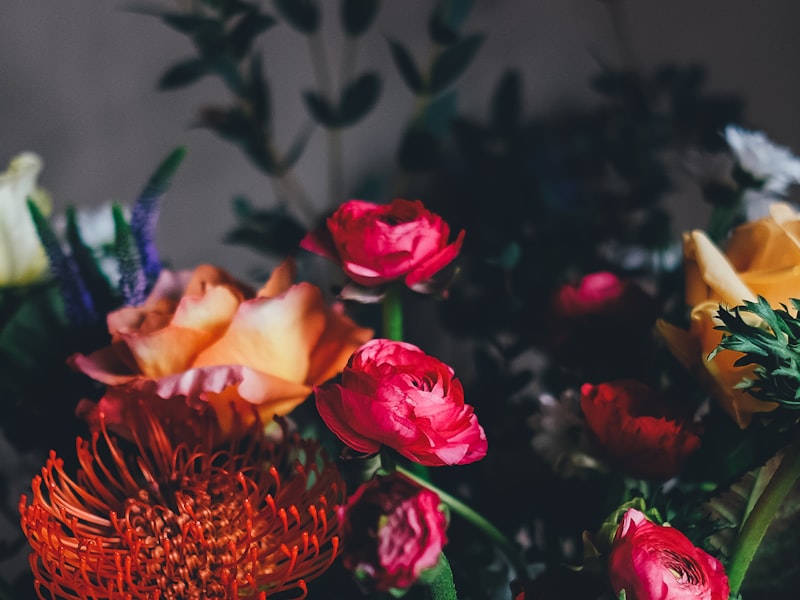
<point x="250" y="520"/>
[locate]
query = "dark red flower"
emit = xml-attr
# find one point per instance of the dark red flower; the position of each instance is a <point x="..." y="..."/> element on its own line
<point x="173" y="521"/>
<point x="394" y="394"/>
<point x="393" y="530"/>
<point x="655" y="562"/>
<point x="376" y="244"/>
<point x="637" y="429"/>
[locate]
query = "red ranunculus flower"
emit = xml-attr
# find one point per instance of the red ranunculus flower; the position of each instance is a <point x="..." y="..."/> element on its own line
<point x="375" y="244"/>
<point x="656" y="562"/>
<point x="636" y="428"/>
<point x="394" y="394"/>
<point x="393" y="530"/>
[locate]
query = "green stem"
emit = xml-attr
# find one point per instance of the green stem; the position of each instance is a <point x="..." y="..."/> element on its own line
<point x="505" y="545"/>
<point x="756" y="524"/>
<point x="443" y="587"/>
<point x="393" y="314"/>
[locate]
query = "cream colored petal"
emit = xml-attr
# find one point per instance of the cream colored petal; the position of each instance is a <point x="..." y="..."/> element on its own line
<point x="167" y="351"/>
<point x="272" y="335"/>
<point x="280" y="280"/>
<point x="717" y="272"/>
<point x="22" y="258"/>
<point x="683" y="346"/>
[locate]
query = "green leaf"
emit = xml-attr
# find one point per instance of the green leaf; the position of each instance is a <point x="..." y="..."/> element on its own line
<point x="440" y="113"/>
<point x="770" y="342"/>
<point x="419" y="150"/>
<point x="506" y="109"/>
<point x="439" y="31"/>
<point x="440" y="581"/>
<point x="408" y="69"/>
<point x="298" y="146"/>
<point x="321" y="109"/>
<point x="96" y="282"/>
<point x="358" y="15"/>
<point x="303" y="15"/>
<point x="358" y="98"/>
<point x="184" y="73"/>
<point x="454" y="12"/>
<point x="259" y="94"/>
<point x="202" y="29"/>
<point x="240" y="39"/>
<point x="453" y="61"/>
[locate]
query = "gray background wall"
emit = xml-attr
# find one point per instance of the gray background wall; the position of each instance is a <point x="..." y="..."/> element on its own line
<point x="77" y="85"/>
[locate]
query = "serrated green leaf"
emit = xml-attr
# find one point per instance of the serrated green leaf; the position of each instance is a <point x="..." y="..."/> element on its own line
<point x="302" y="15"/>
<point x="240" y="39"/>
<point x="184" y="73"/>
<point x="358" y="15"/>
<point x="320" y="109"/>
<point x="358" y="98"/>
<point x="408" y="69"/>
<point x="453" y="61"/>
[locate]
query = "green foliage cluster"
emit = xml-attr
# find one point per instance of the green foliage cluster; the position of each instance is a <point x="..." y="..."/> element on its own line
<point x="769" y="339"/>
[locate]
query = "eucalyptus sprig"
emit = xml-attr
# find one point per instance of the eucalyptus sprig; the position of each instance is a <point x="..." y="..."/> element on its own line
<point x="770" y="340"/>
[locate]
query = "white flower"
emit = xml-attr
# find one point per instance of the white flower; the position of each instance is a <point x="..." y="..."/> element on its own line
<point x="560" y="435"/>
<point x="22" y="258"/>
<point x="775" y="165"/>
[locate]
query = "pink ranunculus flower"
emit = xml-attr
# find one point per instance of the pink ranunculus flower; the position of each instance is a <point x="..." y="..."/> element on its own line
<point x="393" y="531"/>
<point x="377" y="244"/>
<point x="657" y="562"/>
<point x="214" y="342"/>
<point x="394" y="394"/>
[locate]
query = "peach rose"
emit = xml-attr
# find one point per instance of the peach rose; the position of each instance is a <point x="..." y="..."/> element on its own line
<point x="210" y="339"/>
<point x="762" y="258"/>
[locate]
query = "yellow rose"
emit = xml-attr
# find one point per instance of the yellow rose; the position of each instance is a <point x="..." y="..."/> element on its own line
<point x="22" y="258"/>
<point x="762" y="258"/>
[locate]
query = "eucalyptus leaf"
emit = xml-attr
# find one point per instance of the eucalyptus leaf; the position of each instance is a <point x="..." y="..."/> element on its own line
<point x="358" y="98"/>
<point x="358" y="15"/>
<point x="240" y="39"/>
<point x="440" y="113"/>
<point x="453" y="13"/>
<point x="260" y="101"/>
<point x="303" y="15"/>
<point x="453" y="61"/>
<point x="295" y="151"/>
<point x="198" y="27"/>
<point x="408" y="69"/>
<point x="321" y="109"/>
<point x="184" y="73"/>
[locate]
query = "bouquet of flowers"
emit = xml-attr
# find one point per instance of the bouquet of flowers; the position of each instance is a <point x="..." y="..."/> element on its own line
<point x="524" y="385"/>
